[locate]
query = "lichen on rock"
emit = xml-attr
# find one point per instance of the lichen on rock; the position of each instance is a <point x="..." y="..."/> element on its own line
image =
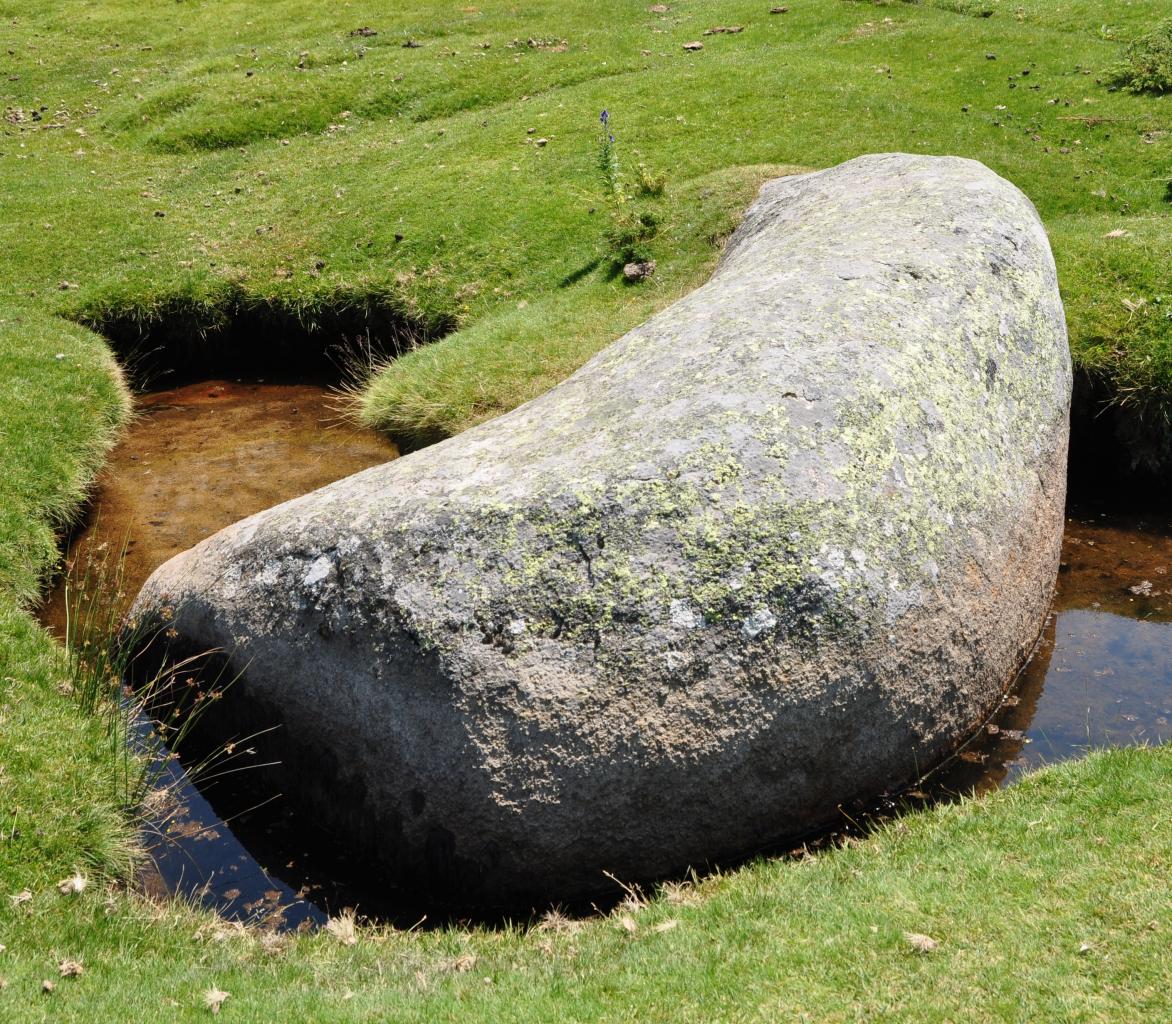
<point x="780" y="547"/>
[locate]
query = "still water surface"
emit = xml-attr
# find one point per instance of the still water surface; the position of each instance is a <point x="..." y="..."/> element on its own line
<point x="201" y="457"/>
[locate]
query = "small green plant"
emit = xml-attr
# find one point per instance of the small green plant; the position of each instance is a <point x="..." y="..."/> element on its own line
<point x="1146" y="66"/>
<point x="632" y="224"/>
<point x="650" y="183"/>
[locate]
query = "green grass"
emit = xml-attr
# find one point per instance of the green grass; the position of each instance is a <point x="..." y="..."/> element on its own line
<point x="173" y="165"/>
<point x="1147" y="62"/>
<point x="1048" y="902"/>
<point x="272" y="140"/>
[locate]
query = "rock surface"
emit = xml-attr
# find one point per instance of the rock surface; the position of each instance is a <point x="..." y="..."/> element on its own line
<point x="781" y="547"/>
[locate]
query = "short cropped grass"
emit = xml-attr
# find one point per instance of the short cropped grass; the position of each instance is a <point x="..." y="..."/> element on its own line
<point x="434" y="167"/>
<point x="1048" y="902"/>
<point x="441" y="161"/>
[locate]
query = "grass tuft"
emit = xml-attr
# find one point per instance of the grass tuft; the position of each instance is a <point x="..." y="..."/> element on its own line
<point x="141" y="723"/>
<point x="1147" y="62"/>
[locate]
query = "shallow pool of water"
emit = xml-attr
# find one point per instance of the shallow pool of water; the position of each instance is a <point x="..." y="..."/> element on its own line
<point x="203" y="456"/>
<point x="200" y="457"/>
<point x="1102" y="673"/>
<point x="194" y="460"/>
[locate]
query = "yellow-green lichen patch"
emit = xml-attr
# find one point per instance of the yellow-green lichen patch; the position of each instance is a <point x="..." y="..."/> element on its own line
<point x="806" y="441"/>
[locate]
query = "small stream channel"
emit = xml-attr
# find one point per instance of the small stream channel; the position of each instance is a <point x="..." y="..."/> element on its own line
<point x="202" y="456"/>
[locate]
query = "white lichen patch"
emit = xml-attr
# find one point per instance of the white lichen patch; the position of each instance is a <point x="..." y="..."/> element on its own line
<point x="759" y="622"/>
<point x="321" y="568"/>
<point x="683" y="616"/>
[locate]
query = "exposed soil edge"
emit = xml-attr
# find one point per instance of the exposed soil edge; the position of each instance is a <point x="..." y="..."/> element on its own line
<point x="183" y="339"/>
<point x="1120" y="448"/>
<point x="1123" y="450"/>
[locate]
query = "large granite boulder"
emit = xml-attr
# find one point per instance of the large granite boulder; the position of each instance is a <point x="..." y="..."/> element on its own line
<point x="781" y="547"/>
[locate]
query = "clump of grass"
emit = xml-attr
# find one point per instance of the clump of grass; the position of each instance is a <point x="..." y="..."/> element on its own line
<point x="1146" y="66"/>
<point x="141" y="726"/>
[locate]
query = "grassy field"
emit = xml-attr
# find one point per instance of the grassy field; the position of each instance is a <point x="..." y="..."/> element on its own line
<point x="233" y="180"/>
<point x="1049" y="902"/>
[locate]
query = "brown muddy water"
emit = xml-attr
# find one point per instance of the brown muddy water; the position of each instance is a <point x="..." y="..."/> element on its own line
<point x="194" y="460"/>
<point x="200" y="457"/>
<point x="205" y="455"/>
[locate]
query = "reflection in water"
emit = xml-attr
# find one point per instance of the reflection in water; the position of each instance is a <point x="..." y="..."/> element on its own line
<point x="196" y="459"/>
<point x="204" y="456"/>
<point x="1107" y="685"/>
<point x="1102" y="674"/>
<point x="193" y="852"/>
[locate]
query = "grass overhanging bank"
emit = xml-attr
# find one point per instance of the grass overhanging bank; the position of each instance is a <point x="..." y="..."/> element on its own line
<point x="162" y="159"/>
<point x="336" y="337"/>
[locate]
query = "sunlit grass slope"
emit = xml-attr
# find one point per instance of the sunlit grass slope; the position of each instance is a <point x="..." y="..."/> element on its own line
<point x="167" y="166"/>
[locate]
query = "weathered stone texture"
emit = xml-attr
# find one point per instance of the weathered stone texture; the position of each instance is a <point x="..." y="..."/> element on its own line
<point x="780" y="547"/>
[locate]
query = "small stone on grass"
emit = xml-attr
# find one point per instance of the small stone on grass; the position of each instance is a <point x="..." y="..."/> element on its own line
<point x="75" y="883"/>
<point x="639" y="271"/>
<point x="921" y="943"/>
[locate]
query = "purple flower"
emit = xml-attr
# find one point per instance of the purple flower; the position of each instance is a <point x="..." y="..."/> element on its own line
<point x="611" y="137"/>
<point x="605" y="118"/>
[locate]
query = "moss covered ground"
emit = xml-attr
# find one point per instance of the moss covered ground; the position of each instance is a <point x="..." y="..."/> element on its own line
<point x="432" y="170"/>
